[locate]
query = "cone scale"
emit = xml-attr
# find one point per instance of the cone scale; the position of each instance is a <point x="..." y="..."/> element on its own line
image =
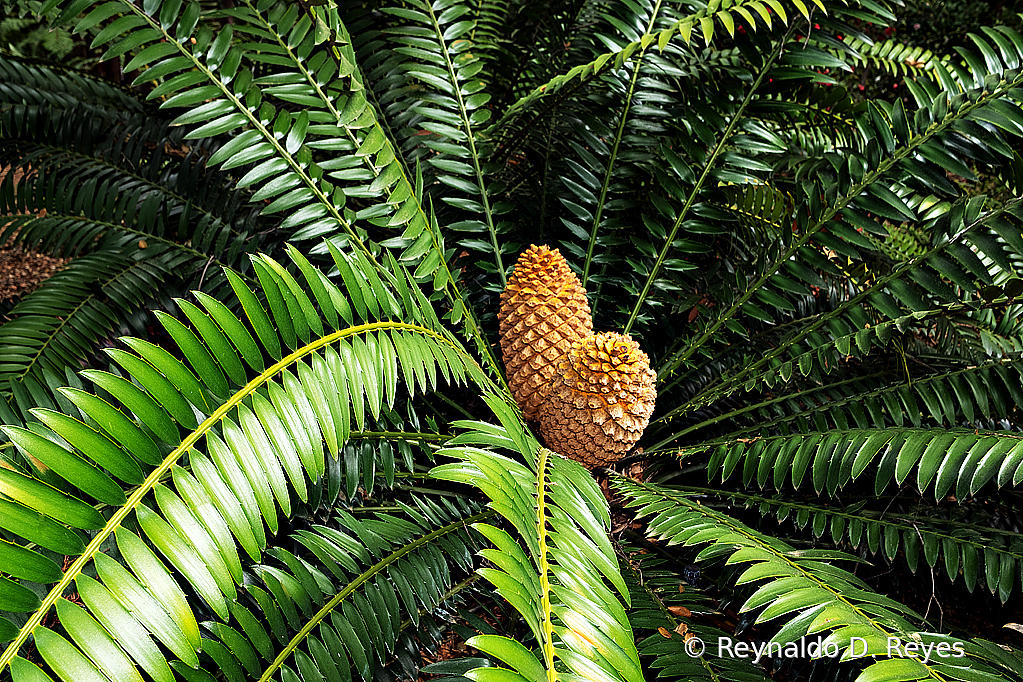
<point x="543" y="311"/>
<point x="600" y="400"/>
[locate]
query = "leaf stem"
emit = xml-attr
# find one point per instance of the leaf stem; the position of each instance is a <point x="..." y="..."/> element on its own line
<point x="609" y="171"/>
<point x="545" y="584"/>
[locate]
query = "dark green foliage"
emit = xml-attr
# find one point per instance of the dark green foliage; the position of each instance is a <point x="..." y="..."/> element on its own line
<point x="24" y="33"/>
<point x="301" y="462"/>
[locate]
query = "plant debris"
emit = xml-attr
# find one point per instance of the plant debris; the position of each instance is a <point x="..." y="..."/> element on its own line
<point x="22" y="271"/>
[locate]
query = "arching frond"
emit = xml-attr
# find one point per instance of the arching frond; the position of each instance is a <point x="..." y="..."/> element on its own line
<point x="252" y="447"/>
<point x="826" y="599"/>
<point x="557" y="583"/>
<point x="959" y="542"/>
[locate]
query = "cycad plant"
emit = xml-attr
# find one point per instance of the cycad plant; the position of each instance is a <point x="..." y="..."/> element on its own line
<point x="306" y="463"/>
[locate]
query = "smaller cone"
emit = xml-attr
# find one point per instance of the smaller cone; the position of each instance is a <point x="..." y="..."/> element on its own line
<point x="600" y="401"/>
<point x="543" y="311"/>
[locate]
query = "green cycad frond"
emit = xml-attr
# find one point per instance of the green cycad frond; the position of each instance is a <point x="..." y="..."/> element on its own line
<point x="125" y="191"/>
<point x="557" y="583"/>
<point x="263" y="440"/>
<point x="406" y="560"/>
<point x="945" y="461"/>
<point x="86" y="181"/>
<point x="964" y="223"/>
<point x="816" y="596"/>
<point x="60" y="324"/>
<point x="244" y="457"/>
<point x="287" y="127"/>
<point x="861" y="379"/>
<point x="857" y="337"/>
<point x="47" y="84"/>
<point x="978" y="395"/>
<point x="896" y="58"/>
<point x="961" y="541"/>
<point x="442" y="98"/>
<point x="341" y="609"/>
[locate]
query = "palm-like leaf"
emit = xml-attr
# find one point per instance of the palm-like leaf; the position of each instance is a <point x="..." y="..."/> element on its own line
<point x="817" y="596"/>
<point x="560" y="515"/>
<point x="829" y="311"/>
<point x="262" y="456"/>
<point x="120" y="191"/>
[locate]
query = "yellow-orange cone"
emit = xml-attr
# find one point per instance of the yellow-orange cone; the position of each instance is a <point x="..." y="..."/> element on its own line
<point x="600" y="400"/>
<point x="543" y="311"/>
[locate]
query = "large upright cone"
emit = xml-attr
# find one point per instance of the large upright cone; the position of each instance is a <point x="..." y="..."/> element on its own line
<point x="543" y="311"/>
<point x="601" y="400"/>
